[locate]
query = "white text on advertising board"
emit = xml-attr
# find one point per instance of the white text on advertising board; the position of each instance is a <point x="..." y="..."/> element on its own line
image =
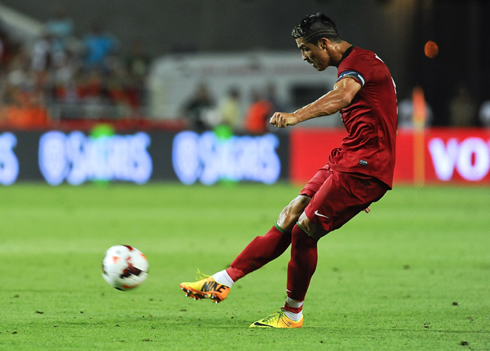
<point x="470" y="157"/>
<point x="9" y="164"/>
<point x="209" y="159"/>
<point x="78" y="158"/>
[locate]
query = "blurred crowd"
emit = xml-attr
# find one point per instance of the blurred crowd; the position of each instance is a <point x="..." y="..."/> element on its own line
<point x="205" y="112"/>
<point x="463" y="110"/>
<point x="60" y="76"/>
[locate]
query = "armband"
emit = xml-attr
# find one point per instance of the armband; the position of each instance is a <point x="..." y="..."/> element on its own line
<point x="352" y="74"/>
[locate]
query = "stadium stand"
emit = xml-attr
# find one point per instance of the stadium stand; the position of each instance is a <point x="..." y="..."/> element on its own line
<point x="50" y="78"/>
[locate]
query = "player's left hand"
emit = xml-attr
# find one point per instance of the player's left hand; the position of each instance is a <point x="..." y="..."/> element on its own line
<point x="367" y="209"/>
<point x="283" y="119"/>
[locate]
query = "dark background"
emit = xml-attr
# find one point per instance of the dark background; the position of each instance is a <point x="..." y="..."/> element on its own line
<point x="395" y="29"/>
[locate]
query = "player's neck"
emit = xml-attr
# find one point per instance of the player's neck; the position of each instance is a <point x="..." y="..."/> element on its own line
<point x="338" y="51"/>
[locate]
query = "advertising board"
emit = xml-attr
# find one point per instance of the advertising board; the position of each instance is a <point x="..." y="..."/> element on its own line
<point x="446" y="155"/>
<point x="459" y="156"/>
<point x="75" y="157"/>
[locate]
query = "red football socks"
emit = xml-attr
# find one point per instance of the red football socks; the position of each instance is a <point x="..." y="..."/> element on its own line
<point x="260" y="251"/>
<point x="263" y="249"/>
<point x="304" y="257"/>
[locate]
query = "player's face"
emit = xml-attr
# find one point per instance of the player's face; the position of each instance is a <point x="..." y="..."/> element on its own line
<point x="315" y="55"/>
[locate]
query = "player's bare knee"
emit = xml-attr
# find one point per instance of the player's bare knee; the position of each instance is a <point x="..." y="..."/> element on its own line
<point x="290" y="214"/>
<point x="297" y="206"/>
<point x="312" y="229"/>
<point x="285" y="221"/>
<point x="299" y="203"/>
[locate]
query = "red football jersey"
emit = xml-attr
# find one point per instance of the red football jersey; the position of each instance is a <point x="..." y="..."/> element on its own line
<point x="370" y="119"/>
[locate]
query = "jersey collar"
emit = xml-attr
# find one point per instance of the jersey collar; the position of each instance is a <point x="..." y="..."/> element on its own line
<point x="346" y="53"/>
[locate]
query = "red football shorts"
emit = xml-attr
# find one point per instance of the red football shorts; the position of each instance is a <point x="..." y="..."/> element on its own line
<point x="337" y="197"/>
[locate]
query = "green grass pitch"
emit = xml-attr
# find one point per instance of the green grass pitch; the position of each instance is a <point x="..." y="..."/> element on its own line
<point x="414" y="274"/>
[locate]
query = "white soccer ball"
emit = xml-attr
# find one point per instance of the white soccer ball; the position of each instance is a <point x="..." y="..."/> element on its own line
<point x="124" y="267"/>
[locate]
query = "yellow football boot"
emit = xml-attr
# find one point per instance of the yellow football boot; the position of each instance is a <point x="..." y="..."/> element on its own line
<point x="277" y="320"/>
<point x="205" y="288"/>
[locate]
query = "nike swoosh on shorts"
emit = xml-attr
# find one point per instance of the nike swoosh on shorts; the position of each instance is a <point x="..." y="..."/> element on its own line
<point x="319" y="214"/>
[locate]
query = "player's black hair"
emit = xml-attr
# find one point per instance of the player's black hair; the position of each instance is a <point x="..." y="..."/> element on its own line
<point x="316" y="26"/>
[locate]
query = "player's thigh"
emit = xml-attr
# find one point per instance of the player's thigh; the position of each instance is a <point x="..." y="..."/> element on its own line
<point x="339" y="199"/>
<point x="316" y="182"/>
<point x="291" y="213"/>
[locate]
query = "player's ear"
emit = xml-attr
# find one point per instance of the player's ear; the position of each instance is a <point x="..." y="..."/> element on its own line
<point x="323" y="43"/>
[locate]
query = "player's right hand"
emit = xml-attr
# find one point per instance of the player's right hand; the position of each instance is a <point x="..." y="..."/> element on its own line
<point x="283" y="119"/>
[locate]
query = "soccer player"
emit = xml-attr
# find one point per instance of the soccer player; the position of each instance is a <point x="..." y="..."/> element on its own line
<point x="356" y="174"/>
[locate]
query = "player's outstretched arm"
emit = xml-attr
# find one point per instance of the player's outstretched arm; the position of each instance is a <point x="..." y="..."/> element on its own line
<point x="339" y="97"/>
